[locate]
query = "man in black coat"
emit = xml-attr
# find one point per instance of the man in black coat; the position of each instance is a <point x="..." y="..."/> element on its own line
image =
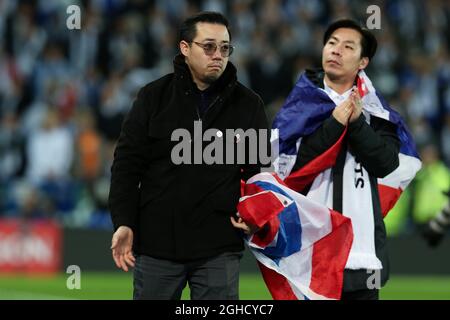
<point x="171" y="206"/>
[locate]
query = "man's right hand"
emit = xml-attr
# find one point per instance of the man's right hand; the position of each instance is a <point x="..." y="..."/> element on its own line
<point x="343" y="111"/>
<point x="121" y="245"/>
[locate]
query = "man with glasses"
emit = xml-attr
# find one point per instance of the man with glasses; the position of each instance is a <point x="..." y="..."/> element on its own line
<point x="172" y="221"/>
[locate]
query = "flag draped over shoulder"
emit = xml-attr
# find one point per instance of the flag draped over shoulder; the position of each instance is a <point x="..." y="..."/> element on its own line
<point x="310" y="106"/>
<point x="303" y="246"/>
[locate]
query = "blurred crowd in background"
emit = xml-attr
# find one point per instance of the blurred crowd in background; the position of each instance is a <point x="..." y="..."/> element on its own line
<point x="64" y="93"/>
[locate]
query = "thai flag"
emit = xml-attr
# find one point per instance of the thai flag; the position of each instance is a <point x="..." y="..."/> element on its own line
<point x="310" y="106"/>
<point x="303" y="247"/>
<point x="391" y="187"/>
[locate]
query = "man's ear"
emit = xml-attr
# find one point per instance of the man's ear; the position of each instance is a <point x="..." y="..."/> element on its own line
<point x="184" y="48"/>
<point x="363" y="63"/>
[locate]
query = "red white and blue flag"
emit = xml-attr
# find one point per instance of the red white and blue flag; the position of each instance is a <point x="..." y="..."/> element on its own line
<point x="304" y="247"/>
<point x="310" y="106"/>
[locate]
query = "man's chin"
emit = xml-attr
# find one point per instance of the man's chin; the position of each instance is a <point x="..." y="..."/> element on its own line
<point x="332" y="74"/>
<point x="210" y="78"/>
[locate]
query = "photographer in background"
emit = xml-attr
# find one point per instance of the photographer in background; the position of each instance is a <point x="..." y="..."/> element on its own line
<point x="436" y="228"/>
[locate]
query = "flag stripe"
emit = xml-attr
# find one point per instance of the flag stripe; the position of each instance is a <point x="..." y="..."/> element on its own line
<point x="388" y="197"/>
<point x="278" y="286"/>
<point x="260" y="208"/>
<point x="295" y="262"/>
<point x="327" y="255"/>
<point x="299" y="179"/>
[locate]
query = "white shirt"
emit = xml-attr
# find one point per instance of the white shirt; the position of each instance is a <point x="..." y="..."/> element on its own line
<point x="336" y="97"/>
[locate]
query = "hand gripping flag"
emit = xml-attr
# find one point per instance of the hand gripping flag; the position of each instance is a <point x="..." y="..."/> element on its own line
<point x="303" y="246"/>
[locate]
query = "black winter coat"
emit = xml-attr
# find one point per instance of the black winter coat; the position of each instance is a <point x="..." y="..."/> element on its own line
<point x="181" y="212"/>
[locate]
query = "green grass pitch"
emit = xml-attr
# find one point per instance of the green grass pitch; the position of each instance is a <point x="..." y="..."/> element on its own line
<point x="118" y="286"/>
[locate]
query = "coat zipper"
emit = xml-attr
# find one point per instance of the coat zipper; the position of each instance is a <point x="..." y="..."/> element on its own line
<point x="207" y="109"/>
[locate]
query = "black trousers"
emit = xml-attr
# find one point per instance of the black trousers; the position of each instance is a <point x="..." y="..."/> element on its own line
<point x="366" y="294"/>
<point x="215" y="278"/>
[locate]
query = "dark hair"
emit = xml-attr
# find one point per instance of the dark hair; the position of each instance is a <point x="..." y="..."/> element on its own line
<point x="188" y="29"/>
<point x="368" y="40"/>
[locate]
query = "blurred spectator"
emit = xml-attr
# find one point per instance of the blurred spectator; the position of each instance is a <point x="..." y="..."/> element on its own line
<point x="88" y="147"/>
<point x="53" y="67"/>
<point x="12" y="143"/>
<point x="24" y="39"/>
<point x="114" y="103"/>
<point x="49" y="151"/>
<point x="445" y="140"/>
<point x="83" y="45"/>
<point x="424" y="102"/>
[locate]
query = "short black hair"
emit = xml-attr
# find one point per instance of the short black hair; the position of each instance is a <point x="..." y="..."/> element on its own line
<point x="368" y="41"/>
<point x="188" y="29"/>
